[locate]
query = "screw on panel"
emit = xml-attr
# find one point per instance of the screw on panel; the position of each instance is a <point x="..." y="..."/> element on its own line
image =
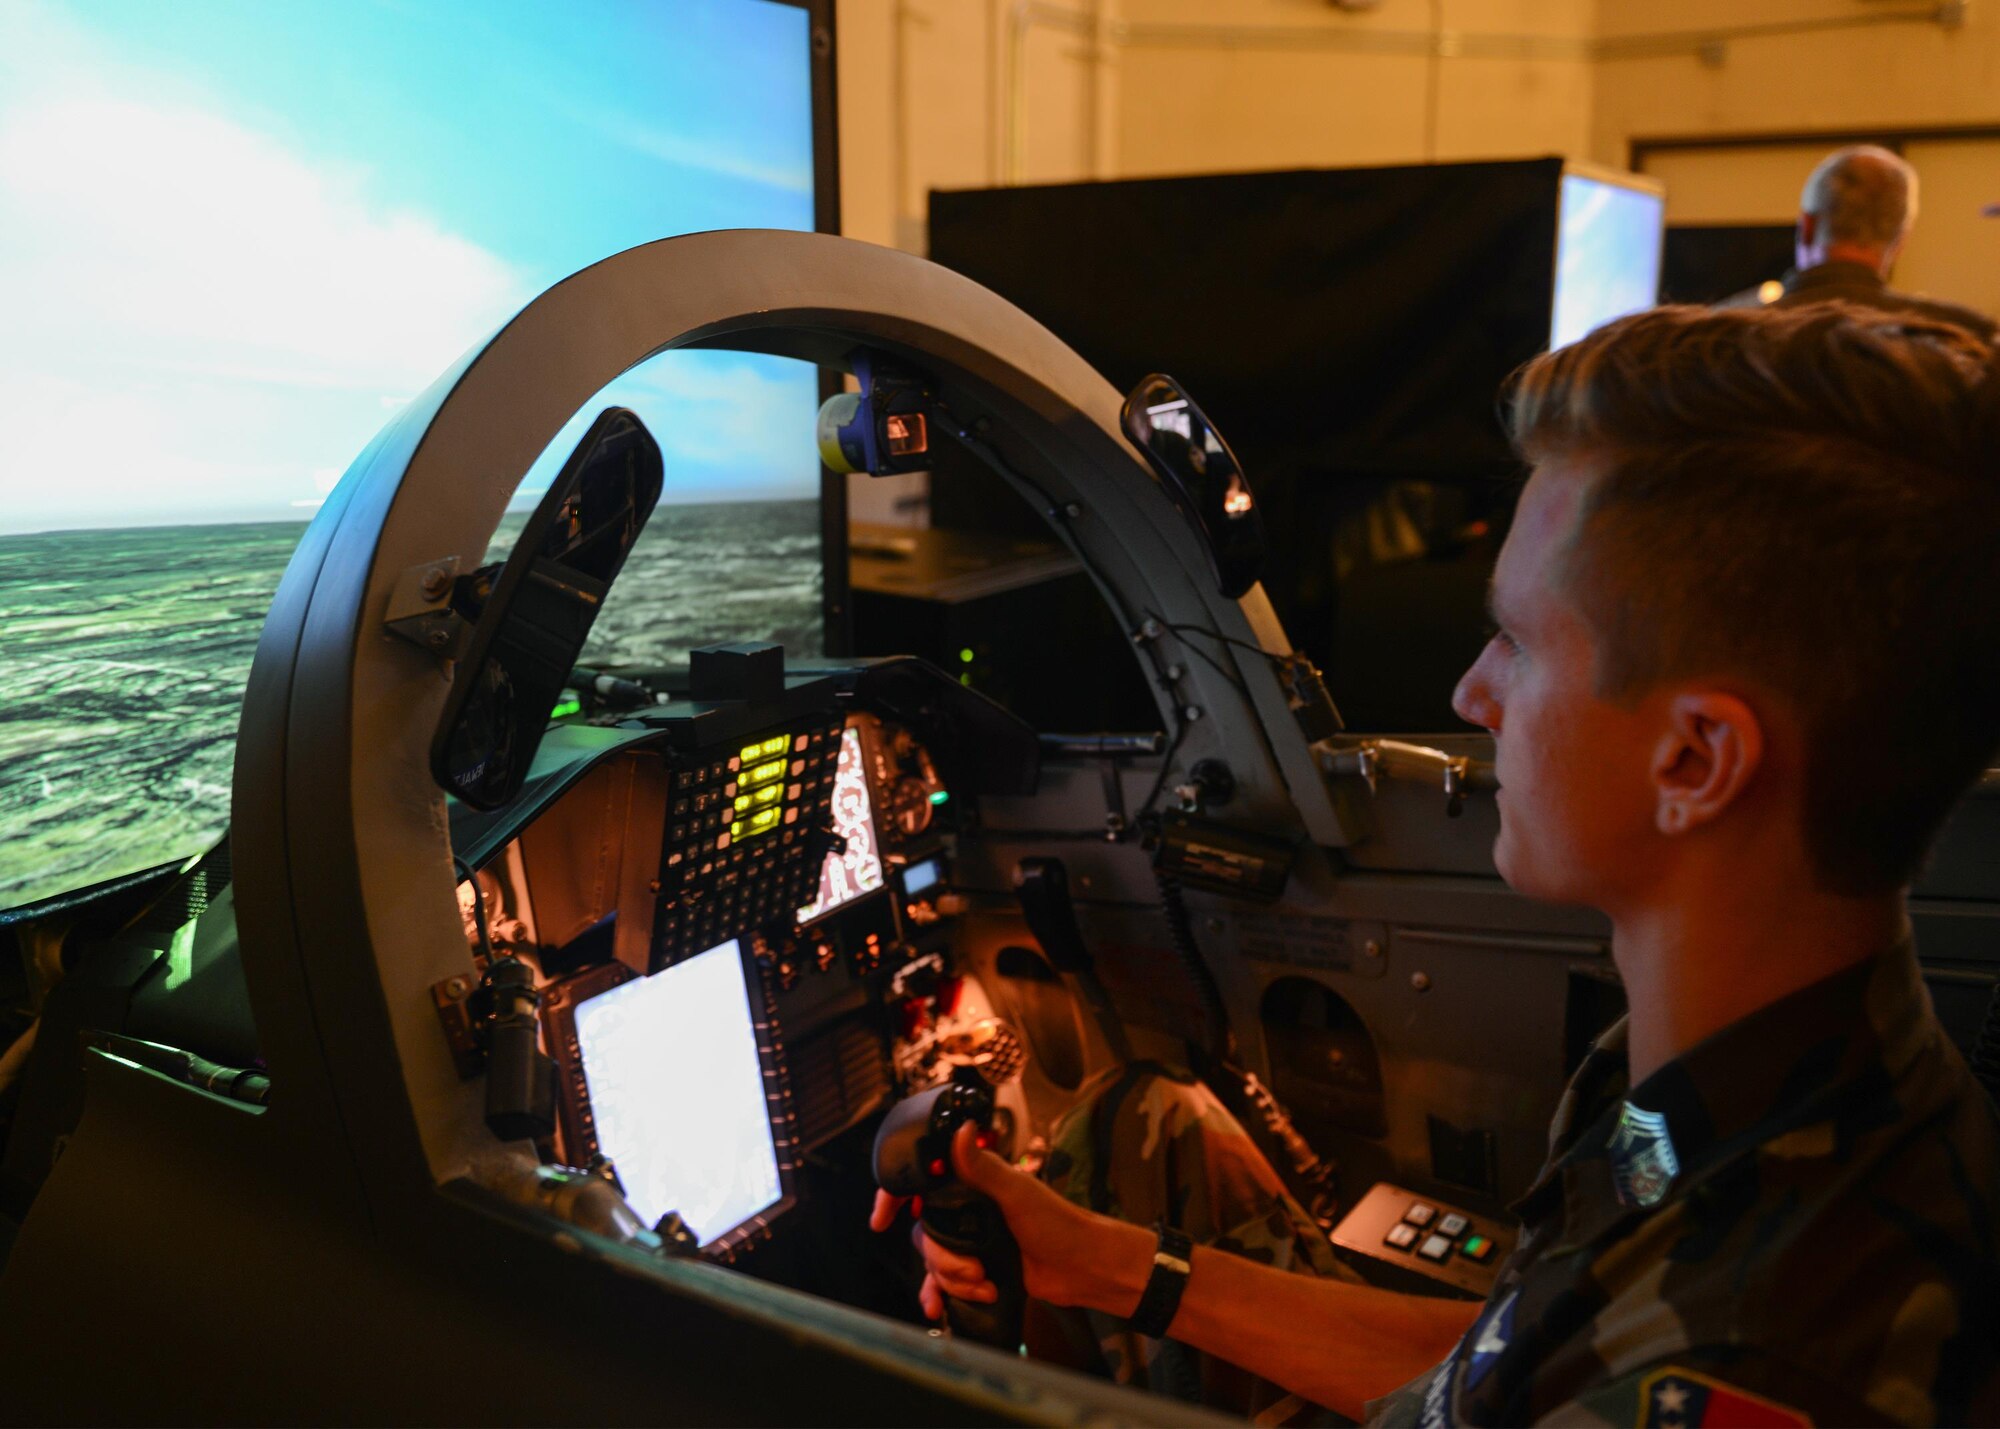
<point x="1420" y="981"/>
<point x="436" y="581"/>
<point x="1371" y="949"/>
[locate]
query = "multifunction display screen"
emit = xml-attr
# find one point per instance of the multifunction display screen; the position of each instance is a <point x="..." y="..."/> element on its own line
<point x="677" y="1093"/>
<point x="846" y="876"/>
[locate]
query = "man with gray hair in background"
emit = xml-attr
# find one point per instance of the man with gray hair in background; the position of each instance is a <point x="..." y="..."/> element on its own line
<point x="1854" y="214"/>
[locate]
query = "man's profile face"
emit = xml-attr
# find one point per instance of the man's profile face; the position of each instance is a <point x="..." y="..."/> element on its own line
<point x="1576" y="795"/>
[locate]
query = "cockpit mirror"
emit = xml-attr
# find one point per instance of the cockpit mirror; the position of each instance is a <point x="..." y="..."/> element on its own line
<point x="1202" y="476"/>
<point x="537" y="613"/>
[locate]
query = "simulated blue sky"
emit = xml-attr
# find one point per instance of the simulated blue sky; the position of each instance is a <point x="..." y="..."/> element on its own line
<point x="1608" y="257"/>
<point x="236" y="234"/>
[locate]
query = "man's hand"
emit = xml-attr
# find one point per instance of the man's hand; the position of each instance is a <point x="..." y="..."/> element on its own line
<point x="1068" y="1255"/>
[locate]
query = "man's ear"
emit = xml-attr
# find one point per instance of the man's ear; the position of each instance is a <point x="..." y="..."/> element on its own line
<point x="1712" y="748"/>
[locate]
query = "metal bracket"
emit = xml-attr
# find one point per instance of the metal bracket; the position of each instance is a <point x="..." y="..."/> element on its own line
<point x="1395" y="758"/>
<point x="420" y="609"/>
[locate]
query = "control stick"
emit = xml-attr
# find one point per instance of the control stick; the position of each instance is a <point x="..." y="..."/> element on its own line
<point x="913" y="1158"/>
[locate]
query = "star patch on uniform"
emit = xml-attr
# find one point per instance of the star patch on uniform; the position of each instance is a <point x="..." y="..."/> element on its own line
<point x="1676" y="1398"/>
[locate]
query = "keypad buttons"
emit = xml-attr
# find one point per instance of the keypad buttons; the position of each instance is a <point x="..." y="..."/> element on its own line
<point x="1402" y="1235"/>
<point x="1420" y="1214"/>
<point x="1477" y="1249"/>
<point x="1435" y="1247"/>
<point x="1453" y="1225"/>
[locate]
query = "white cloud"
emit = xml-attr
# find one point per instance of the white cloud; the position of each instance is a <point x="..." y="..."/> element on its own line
<point x="694" y="153"/>
<point x="229" y="316"/>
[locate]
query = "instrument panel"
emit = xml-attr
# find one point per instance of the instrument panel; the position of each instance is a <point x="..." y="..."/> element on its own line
<point x="800" y="863"/>
<point x="749" y="830"/>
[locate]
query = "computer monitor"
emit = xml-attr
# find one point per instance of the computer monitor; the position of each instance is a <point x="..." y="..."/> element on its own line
<point x="857" y="870"/>
<point x="679" y="1093"/>
<point x="1609" y="234"/>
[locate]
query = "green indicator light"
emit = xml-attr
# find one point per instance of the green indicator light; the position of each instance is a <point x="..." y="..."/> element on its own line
<point x="566" y="708"/>
<point x="1474" y="1244"/>
<point x="965" y="680"/>
<point x="966" y="655"/>
<point x="762" y="774"/>
<point x="940" y="797"/>
<point x="761" y="822"/>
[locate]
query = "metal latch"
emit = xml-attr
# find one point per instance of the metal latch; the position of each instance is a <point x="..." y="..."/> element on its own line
<point x="420" y="609"/>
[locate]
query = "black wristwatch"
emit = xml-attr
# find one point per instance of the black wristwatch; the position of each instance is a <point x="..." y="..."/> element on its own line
<point x="1162" y="1298"/>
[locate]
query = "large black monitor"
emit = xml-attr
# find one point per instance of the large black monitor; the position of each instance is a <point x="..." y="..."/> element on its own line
<point x="1348" y="330"/>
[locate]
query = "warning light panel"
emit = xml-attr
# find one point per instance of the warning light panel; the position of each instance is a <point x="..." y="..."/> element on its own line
<point x="761" y="822"/>
<point x="742" y="836"/>
<point x="764" y="748"/>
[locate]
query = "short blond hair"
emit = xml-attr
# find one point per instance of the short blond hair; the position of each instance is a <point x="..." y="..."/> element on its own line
<point x="1806" y="501"/>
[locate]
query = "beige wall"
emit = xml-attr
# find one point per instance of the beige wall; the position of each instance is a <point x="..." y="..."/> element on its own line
<point x="1281" y="83"/>
<point x="1889" y="75"/>
<point x="928" y="91"/>
<point x="969" y="93"/>
<point x="965" y="93"/>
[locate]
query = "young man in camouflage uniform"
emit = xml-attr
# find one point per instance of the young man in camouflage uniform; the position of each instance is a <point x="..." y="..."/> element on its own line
<point x="1748" y="659"/>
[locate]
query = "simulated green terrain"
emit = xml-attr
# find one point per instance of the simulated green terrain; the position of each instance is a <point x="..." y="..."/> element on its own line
<point x="123" y="656"/>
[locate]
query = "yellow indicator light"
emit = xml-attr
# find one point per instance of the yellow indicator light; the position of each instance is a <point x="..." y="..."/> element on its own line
<point x="769" y="794"/>
<point x="761" y="822"/>
<point x="764" y="749"/>
<point x="762" y="774"/>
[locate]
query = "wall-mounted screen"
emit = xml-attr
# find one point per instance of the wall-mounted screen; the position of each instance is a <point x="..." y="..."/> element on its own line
<point x="1608" y="245"/>
<point x="857" y="869"/>
<point x="677" y="1093"/>
<point x="236" y="237"/>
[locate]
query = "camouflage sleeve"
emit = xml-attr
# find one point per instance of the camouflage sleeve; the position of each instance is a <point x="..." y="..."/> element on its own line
<point x="1149" y="1144"/>
<point x="1714" y="1385"/>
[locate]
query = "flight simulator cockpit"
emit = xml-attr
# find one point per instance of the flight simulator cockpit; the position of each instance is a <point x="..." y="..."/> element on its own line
<point x="540" y="1033"/>
<point x="477" y="1016"/>
<point x="511" y="1010"/>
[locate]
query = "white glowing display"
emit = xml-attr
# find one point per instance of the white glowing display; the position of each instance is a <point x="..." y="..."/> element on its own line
<point x="846" y="876"/>
<point x="677" y="1093"/>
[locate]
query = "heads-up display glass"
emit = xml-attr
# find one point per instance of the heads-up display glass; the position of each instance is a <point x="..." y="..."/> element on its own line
<point x="235" y="238"/>
<point x="677" y="1093"/>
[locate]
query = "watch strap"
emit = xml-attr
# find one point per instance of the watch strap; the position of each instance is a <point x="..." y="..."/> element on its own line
<point x="1161" y="1300"/>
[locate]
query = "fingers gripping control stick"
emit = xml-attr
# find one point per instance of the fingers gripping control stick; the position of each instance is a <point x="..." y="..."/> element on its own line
<point x="913" y="1158"/>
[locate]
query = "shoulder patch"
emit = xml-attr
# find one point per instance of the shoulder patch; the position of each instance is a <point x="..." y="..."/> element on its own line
<point x="1677" y="1398"/>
